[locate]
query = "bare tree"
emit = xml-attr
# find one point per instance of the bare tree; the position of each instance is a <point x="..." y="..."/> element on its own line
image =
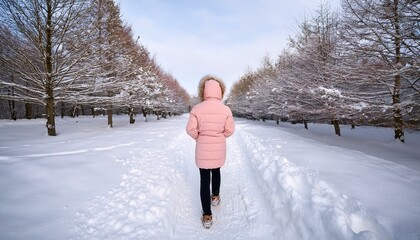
<point x="49" y="49"/>
<point x="241" y="97"/>
<point x="386" y="32"/>
<point x="316" y="47"/>
<point x="111" y="54"/>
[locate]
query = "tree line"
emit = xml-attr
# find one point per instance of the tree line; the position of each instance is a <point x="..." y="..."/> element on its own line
<point x="78" y="55"/>
<point x="355" y="65"/>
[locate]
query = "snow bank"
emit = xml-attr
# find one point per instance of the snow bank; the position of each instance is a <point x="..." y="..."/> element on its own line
<point x="306" y="207"/>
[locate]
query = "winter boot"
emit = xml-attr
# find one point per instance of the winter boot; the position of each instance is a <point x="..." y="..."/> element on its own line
<point x="215" y="200"/>
<point x="207" y="221"/>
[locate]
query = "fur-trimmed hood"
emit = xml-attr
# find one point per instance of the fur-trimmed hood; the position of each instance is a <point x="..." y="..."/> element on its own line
<point x="202" y="94"/>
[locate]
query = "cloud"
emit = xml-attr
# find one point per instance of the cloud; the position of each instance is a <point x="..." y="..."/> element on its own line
<point x="223" y="37"/>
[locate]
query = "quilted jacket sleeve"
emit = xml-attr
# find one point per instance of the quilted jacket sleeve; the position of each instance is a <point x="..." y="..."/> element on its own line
<point x="192" y="125"/>
<point x="229" y="125"/>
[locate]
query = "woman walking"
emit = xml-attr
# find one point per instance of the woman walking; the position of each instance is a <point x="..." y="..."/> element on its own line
<point x="210" y="123"/>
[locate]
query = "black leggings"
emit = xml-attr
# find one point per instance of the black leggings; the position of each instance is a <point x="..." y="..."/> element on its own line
<point x="207" y="175"/>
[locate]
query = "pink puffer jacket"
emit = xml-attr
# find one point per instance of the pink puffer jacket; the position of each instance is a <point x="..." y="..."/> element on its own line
<point x="210" y="123"/>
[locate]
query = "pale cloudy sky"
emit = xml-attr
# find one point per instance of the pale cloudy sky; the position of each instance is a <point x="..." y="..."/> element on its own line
<point x="191" y="38"/>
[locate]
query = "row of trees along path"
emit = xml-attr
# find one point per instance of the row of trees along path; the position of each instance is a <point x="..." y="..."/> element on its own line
<point x="79" y="52"/>
<point x="358" y="65"/>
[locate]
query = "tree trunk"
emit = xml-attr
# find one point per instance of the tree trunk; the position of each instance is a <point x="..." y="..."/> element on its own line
<point x="50" y="117"/>
<point x="82" y="110"/>
<point x="12" y="106"/>
<point x="110" y="115"/>
<point x="76" y="109"/>
<point x="28" y="110"/>
<point x="62" y="109"/>
<point x="398" y="120"/>
<point x="49" y="80"/>
<point x="12" y="109"/>
<point x="305" y="123"/>
<point x="131" y="114"/>
<point x="144" y="114"/>
<point x="132" y="120"/>
<point x="336" y="127"/>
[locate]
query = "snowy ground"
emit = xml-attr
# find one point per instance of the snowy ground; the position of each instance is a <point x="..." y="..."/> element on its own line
<point x="140" y="182"/>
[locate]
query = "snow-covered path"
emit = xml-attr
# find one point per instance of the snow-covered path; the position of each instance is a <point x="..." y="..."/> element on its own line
<point x="140" y="182"/>
<point x="158" y="197"/>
